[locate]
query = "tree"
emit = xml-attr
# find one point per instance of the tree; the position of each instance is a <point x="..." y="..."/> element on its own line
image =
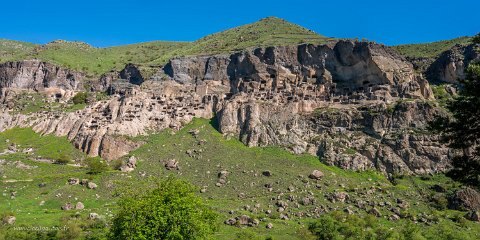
<point x="462" y="129"/>
<point x="170" y="211"/>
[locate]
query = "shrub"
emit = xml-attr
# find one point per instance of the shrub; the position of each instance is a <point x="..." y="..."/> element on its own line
<point x="63" y="159"/>
<point x="80" y="98"/>
<point x="96" y="165"/>
<point x="170" y="211"/>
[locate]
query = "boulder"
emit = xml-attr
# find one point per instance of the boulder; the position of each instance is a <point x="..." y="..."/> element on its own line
<point x="464" y="200"/>
<point x="375" y="212"/>
<point x="172" y="164"/>
<point x="73" y="181"/>
<point x="316" y="174"/>
<point x="10" y="220"/>
<point x="67" y="206"/>
<point x="91" y="185"/>
<point x="267" y="173"/>
<point x="79" y="206"/>
<point x="93" y="216"/>
<point x="473" y="216"/>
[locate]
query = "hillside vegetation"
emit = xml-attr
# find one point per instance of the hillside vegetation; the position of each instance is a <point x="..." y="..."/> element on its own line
<point x="430" y="50"/>
<point x="35" y="190"/>
<point x="95" y="61"/>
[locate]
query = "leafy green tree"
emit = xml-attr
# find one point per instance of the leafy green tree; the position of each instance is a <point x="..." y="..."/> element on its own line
<point x="462" y="129"/>
<point x="170" y="211"/>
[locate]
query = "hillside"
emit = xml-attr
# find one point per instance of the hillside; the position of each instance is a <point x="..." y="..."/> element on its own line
<point x="15" y="50"/>
<point x="40" y="188"/>
<point x="95" y="61"/>
<point x="430" y="50"/>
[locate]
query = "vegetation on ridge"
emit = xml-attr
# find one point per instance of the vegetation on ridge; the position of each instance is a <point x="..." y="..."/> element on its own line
<point x="95" y="61"/>
<point x="430" y="50"/>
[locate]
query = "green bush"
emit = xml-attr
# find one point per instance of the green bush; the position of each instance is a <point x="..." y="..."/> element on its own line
<point x="170" y="211"/>
<point x="63" y="159"/>
<point x="80" y="98"/>
<point x="96" y="165"/>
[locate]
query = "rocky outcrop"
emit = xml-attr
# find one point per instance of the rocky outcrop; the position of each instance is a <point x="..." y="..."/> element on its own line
<point x="370" y="71"/>
<point x="132" y="73"/>
<point x="450" y="65"/>
<point x="35" y="75"/>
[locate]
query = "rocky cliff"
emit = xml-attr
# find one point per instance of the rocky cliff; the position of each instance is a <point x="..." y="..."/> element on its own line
<point x="450" y="65"/>
<point x="35" y="75"/>
<point x="356" y="105"/>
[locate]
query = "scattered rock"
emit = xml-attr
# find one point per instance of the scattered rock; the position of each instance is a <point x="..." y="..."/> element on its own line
<point x="91" y="185"/>
<point x="10" y="220"/>
<point x="339" y="197"/>
<point x="79" y="206"/>
<point x="394" y="217"/>
<point x="269" y="226"/>
<point x="67" y="206"/>
<point x="375" y="212"/>
<point x="93" y="216"/>
<point x="316" y="174"/>
<point x="172" y="164"/>
<point x="473" y="216"/>
<point x="73" y="181"/>
<point x="464" y="200"/>
<point x="267" y="173"/>
<point x="194" y="132"/>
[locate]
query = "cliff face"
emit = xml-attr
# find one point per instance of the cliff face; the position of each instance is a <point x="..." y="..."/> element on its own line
<point x="36" y="75"/>
<point x="356" y="105"/>
<point x="323" y="71"/>
<point x="450" y="65"/>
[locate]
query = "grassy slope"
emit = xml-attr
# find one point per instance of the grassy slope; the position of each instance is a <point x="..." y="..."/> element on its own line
<point x="14" y="50"/>
<point x="430" y="50"/>
<point x="269" y="31"/>
<point x="95" y="61"/>
<point x="244" y="164"/>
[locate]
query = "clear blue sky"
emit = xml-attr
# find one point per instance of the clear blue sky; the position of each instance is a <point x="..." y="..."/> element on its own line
<point x="115" y="22"/>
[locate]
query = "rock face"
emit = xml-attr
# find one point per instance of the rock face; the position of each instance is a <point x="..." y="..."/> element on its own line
<point x="465" y="199"/>
<point x="35" y="75"/>
<point x="356" y="105"/>
<point x="450" y="65"/>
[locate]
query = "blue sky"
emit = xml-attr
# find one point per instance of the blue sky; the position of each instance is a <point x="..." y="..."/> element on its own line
<point x="108" y="22"/>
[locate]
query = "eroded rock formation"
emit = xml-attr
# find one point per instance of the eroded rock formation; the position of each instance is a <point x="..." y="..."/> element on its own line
<point x="356" y="105"/>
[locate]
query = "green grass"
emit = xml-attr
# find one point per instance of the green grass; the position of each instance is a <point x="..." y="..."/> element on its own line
<point x="430" y="50"/>
<point x="14" y="50"/>
<point x="214" y="153"/>
<point x="48" y="146"/>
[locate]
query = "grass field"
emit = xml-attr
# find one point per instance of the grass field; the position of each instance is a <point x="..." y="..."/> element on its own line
<point x="210" y="153"/>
